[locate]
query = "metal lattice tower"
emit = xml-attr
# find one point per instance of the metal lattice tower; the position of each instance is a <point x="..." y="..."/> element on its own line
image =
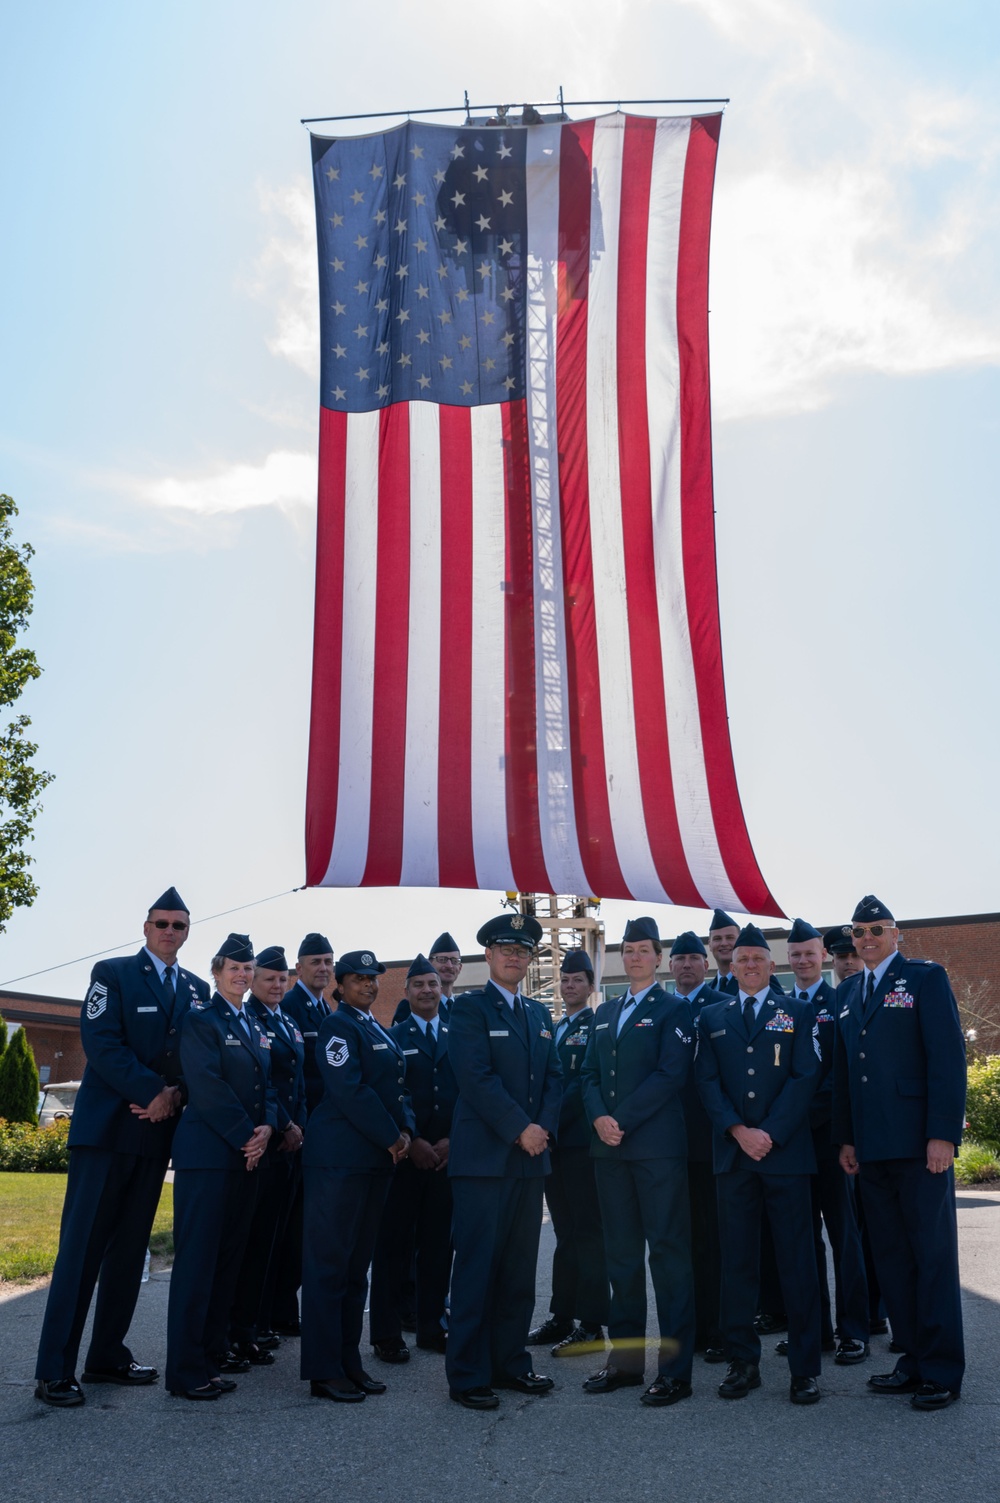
<point x="568" y="923"/>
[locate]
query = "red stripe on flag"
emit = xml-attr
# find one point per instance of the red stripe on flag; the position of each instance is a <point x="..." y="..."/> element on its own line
<point x="698" y="521"/>
<point x="520" y="723"/>
<point x="456" y="853"/>
<point x="649" y="705"/>
<point x="392" y="613"/>
<point x="593" y="815"/>
<point x="328" y="632"/>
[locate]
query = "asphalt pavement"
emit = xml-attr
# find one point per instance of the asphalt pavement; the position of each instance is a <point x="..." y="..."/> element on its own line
<point x="271" y="1441"/>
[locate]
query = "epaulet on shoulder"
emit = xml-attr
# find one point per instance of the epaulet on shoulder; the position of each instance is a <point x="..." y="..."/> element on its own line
<point x="912" y="960"/>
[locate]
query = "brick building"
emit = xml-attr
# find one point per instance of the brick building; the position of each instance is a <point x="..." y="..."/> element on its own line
<point x="52" y="1025"/>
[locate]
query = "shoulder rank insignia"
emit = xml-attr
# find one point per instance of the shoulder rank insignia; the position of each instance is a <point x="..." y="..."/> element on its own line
<point x="337" y="1052"/>
<point x="97" y="1000"/>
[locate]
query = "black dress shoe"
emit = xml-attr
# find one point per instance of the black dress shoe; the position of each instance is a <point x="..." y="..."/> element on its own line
<point x="878" y="1328"/>
<point x="365" y="1383"/>
<point x="225" y="1385"/>
<point x="803" y="1391"/>
<point x="254" y="1354"/>
<point x="268" y="1341"/>
<point x="894" y="1382"/>
<point x="781" y="1347"/>
<point x="549" y="1330"/>
<point x="665" y="1391"/>
<point x="770" y="1325"/>
<point x="340" y="1390"/>
<point x="475" y="1398"/>
<point x="849" y="1352"/>
<point x="532" y="1383"/>
<point x="231" y="1362"/>
<point x="438" y="1342"/>
<point x="933" y="1396"/>
<point x="610" y="1378"/>
<point x="578" y="1338"/>
<point x="740" y="1378"/>
<point x="289" y="1328"/>
<point x="131" y="1376"/>
<point x="391" y="1351"/>
<point x="714" y="1354"/>
<point x="206" y="1391"/>
<point x="61" y="1393"/>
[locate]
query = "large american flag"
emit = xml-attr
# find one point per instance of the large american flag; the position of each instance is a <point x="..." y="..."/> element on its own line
<point x="517" y="678"/>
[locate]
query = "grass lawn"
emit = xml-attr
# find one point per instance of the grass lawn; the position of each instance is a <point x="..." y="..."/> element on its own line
<point x="30" y="1208"/>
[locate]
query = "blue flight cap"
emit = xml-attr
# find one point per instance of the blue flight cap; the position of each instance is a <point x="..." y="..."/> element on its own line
<point x="421" y="967"/>
<point x="272" y="959"/>
<point x="315" y="944"/>
<point x="236" y="947"/>
<point x="839" y="941"/>
<point x="688" y="943"/>
<point x="172" y="901"/>
<point x="357" y="963"/>
<point x="510" y="929"/>
<point x="751" y="935"/>
<point x="801" y="931"/>
<point x="576" y="960"/>
<point x="444" y="942"/>
<point x="870" y="910"/>
<point x="722" y="920"/>
<point x="640" y="928"/>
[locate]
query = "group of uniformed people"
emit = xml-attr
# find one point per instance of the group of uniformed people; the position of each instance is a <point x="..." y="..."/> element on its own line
<point x="716" y="1129"/>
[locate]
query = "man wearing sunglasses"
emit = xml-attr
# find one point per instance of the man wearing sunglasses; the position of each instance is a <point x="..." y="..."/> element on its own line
<point x="120" y="1136"/>
<point x="898" y="1114"/>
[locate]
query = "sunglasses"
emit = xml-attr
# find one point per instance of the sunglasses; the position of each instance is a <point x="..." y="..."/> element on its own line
<point x="177" y="924"/>
<point x="875" y="930"/>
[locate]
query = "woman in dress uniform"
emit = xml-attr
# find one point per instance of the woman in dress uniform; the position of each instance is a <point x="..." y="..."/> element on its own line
<point x="220" y="1141"/>
<point x="359" y="1131"/>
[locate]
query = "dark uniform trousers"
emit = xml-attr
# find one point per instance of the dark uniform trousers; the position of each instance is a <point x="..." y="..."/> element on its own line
<point x="253" y="1311"/>
<point x="111" y="1201"/>
<point x="645" y="1201"/>
<point x="417" y="1215"/>
<point x="910" y="1214"/>
<point x="706" y="1258"/>
<point x="744" y="1195"/>
<point x="341" y="1224"/>
<point x="579" y="1268"/>
<point x="213" y="1212"/>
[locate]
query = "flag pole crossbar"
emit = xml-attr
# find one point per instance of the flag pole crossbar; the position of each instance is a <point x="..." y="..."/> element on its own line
<point x="502" y="111"/>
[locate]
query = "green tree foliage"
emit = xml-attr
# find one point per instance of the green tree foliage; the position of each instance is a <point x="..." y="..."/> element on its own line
<point x="982" y="1104"/>
<point x="19" y="1081"/>
<point x="20" y="783"/>
<point x="3" y="1034"/>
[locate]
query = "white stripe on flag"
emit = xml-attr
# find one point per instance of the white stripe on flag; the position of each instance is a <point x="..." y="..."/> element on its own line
<point x="687" y="754"/>
<point x="611" y="615"/>
<point x="349" y="855"/>
<point x="556" y="811"/>
<point x="489" y="698"/>
<point x="420" y="788"/>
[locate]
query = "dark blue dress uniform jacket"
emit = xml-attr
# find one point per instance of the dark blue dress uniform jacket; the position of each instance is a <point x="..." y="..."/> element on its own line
<point x="824" y="1002"/>
<point x="638" y="1078"/>
<point x="699" y="1125"/>
<point x="229" y="1088"/>
<point x="899" y="1069"/>
<point x="365" y="1104"/>
<point x="132" y="1046"/>
<point x="764" y="1076"/>
<point x="298" y="1004"/>
<point x="287" y="1055"/>
<point x="430" y="1078"/>
<point x="575" y="1130"/>
<point x="506" y="1081"/>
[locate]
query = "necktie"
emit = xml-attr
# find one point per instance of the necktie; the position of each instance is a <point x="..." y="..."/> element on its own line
<point x="869" y="994"/>
<point x="803" y="996"/>
<point x="242" y="1018"/>
<point x="748" y="1012"/>
<point x="169" y="992"/>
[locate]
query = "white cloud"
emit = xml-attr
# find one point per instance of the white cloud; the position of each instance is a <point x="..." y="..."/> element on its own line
<point x="285" y="276"/>
<point x="284" y="479"/>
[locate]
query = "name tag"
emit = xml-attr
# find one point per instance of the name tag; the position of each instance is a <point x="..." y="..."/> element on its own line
<point x="845" y="1012"/>
<point x="380" y="1046"/>
<point x="499" y="1033"/>
<point x="719" y="1033"/>
<point x="310" y="1035"/>
<point x="230" y="1040"/>
<point x="147" y="1009"/>
<point x="405" y="1051"/>
<point x="601" y="1025"/>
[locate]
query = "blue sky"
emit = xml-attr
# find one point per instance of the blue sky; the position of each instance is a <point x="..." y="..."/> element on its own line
<point x="158" y="422"/>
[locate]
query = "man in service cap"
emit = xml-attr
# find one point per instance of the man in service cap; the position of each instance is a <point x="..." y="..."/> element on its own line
<point x="446" y="960"/>
<point x="757" y="1068"/>
<point x="898" y="1114"/>
<point x="510" y="1086"/>
<point x="120" y="1138"/>
<point x="723" y="933"/>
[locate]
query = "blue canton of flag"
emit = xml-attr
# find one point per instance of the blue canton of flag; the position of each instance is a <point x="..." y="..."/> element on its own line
<point x="422" y="251"/>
